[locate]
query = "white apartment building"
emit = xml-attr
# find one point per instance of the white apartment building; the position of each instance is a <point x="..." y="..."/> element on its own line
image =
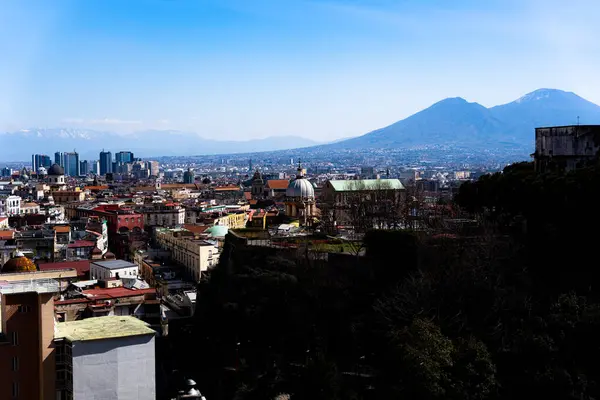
<point x="10" y="205"/>
<point x="197" y="255"/>
<point x="110" y="269"/>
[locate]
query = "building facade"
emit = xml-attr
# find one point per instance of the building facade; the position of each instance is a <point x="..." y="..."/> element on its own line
<point x="10" y="205"/>
<point x="109" y="357"/>
<point x="195" y="254"/>
<point x="27" y="363"/>
<point x="565" y="147"/>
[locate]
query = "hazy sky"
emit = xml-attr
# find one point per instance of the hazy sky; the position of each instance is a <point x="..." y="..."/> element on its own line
<point x="324" y="69"/>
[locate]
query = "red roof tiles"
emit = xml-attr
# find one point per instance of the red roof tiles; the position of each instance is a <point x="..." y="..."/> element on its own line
<point x="278" y="184"/>
<point x="82" y="267"/>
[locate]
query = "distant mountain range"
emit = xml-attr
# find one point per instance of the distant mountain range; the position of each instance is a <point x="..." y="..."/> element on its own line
<point x="453" y="121"/>
<point x="88" y="143"/>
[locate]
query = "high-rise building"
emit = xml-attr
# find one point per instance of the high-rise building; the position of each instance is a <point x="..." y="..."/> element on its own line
<point x="95" y="167"/>
<point x="40" y="160"/>
<point x="59" y="159"/>
<point x="153" y="167"/>
<point x="27" y="362"/>
<point x="105" y="162"/>
<point x="6" y="172"/>
<point x="84" y="167"/>
<point x="124" y="157"/>
<point x="71" y="161"/>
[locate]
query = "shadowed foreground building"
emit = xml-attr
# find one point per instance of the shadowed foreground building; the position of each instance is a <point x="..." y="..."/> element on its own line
<point x="105" y="358"/>
<point x="27" y="364"/>
<point x="565" y="147"/>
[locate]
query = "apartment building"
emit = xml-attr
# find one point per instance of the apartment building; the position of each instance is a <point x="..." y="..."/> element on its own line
<point x="195" y="253"/>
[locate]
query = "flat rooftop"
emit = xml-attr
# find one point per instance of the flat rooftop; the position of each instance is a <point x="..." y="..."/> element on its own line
<point x="29" y="286"/>
<point x="114" y="264"/>
<point x="99" y="328"/>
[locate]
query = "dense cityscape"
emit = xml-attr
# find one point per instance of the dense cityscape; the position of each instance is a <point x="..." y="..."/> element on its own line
<point x="299" y="200"/>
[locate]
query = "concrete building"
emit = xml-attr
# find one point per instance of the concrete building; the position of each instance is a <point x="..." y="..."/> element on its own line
<point x="27" y="363"/>
<point x="105" y="358"/>
<point x="194" y="253"/>
<point x="110" y="269"/>
<point x="565" y="147"/>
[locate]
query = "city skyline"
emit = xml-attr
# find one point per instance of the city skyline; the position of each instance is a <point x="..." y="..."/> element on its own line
<point x="236" y="70"/>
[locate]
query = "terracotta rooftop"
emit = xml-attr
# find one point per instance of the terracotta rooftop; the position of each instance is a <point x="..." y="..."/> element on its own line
<point x="228" y="188"/>
<point x="82" y="267"/>
<point x="81" y="243"/>
<point x="117" y="292"/>
<point x="196" y="228"/>
<point x="8" y="234"/>
<point x="62" y="229"/>
<point x="278" y="184"/>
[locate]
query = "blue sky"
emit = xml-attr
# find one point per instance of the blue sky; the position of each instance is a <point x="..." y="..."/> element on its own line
<point x="322" y="69"/>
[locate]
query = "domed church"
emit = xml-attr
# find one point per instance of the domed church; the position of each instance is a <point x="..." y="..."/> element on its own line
<point x="19" y="263"/>
<point x="300" y="197"/>
<point x="56" y="175"/>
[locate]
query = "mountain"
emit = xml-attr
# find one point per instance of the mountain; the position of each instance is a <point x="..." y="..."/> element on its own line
<point x="21" y="144"/>
<point x="455" y="121"/>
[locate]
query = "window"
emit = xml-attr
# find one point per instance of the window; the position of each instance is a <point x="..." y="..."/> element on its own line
<point x="15" y="389"/>
<point x="24" y="309"/>
<point x="15" y="338"/>
<point x="15" y="364"/>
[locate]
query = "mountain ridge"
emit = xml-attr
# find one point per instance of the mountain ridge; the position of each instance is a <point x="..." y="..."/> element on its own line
<point x="450" y="121"/>
<point x="456" y="121"/>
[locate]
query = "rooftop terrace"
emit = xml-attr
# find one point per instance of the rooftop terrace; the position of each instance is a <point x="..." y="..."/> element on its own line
<point x="98" y="328"/>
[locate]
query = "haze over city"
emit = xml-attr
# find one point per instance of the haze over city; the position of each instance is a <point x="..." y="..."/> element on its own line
<point x="322" y="70"/>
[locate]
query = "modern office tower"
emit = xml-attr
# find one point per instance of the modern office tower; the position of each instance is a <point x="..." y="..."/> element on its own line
<point x="124" y="157"/>
<point x="95" y="167"/>
<point x="84" y="167"/>
<point x="59" y="159"/>
<point x="153" y="167"/>
<point x="105" y="162"/>
<point x="40" y="160"/>
<point x="6" y="172"/>
<point x="71" y="166"/>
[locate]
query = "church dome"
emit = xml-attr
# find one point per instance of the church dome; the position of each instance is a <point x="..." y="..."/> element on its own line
<point x="56" y="169"/>
<point x="19" y="263"/>
<point x="300" y="187"/>
<point x="42" y="171"/>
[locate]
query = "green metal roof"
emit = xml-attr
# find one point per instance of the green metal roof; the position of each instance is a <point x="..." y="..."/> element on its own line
<point x="351" y="185"/>
<point x="218" y="230"/>
<point x="96" y="328"/>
